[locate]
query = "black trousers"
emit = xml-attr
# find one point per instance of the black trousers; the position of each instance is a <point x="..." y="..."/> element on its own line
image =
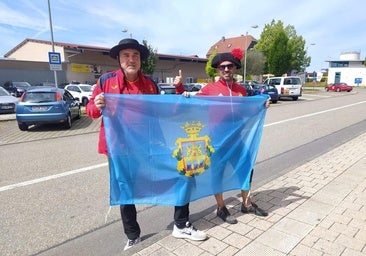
<point x="132" y="228"/>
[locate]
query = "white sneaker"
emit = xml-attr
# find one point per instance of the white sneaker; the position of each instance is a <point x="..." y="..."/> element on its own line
<point x="131" y="243"/>
<point x="189" y="232"/>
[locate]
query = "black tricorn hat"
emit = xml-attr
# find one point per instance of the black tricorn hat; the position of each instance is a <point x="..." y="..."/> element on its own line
<point x="226" y="56"/>
<point x="129" y="43"/>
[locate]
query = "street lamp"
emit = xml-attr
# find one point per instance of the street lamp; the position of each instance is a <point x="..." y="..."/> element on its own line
<point x="245" y="53"/>
<point x="125" y="31"/>
<point x="306" y="73"/>
<point x="52" y="41"/>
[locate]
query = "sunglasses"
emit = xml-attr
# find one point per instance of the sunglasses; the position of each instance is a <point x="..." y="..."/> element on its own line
<point x="223" y="67"/>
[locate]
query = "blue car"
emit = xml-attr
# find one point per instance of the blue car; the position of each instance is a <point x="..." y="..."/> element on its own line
<point x="271" y="90"/>
<point x="43" y="105"/>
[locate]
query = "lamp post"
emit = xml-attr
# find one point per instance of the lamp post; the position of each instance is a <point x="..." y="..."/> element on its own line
<point x="245" y="53"/>
<point x="125" y="31"/>
<point x="306" y="73"/>
<point x="52" y="41"/>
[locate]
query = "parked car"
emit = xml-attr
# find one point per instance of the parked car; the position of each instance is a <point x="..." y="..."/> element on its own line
<point x="248" y="88"/>
<point x="16" y="88"/>
<point x="193" y="88"/>
<point x="45" y="84"/>
<point x="62" y="85"/>
<point x="266" y="89"/>
<point x="82" y="92"/>
<point x="340" y="87"/>
<point x="165" y="88"/>
<point x="7" y="102"/>
<point x="288" y="86"/>
<point x="40" y="105"/>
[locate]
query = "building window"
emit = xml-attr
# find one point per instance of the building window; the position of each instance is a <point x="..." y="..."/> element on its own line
<point x="339" y="64"/>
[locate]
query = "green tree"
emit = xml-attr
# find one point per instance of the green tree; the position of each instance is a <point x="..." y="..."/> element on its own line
<point x="255" y="62"/>
<point x="148" y="65"/>
<point x="284" y="50"/>
<point x="296" y="46"/>
<point x="278" y="55"/>
<point x="210" y="71"/>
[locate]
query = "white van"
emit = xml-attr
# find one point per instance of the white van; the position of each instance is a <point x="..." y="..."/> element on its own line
<point x="289" y="86"/>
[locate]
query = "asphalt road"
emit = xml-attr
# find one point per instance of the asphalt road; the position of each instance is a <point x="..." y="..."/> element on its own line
<point x="54" y="186"/>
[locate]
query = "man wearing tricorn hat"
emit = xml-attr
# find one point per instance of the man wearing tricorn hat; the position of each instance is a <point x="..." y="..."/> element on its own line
<point x="128" y="79"/>
<point x="226" y="65"/>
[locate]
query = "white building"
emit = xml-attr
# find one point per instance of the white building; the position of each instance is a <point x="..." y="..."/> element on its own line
<point x="349" y="69"/>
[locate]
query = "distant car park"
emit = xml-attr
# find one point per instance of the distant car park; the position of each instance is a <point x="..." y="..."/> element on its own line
<point x="339" y="87"/>
<point x="16" y="88"/>
<point x="271" y="90"/>
<point x="166" y="88"/>
<point x="82" y="92"/>
<point x="248" y="88"/>
<point x="7" y="102"/>
<point x="193" y="88"/>
<point x="43" y="105"/>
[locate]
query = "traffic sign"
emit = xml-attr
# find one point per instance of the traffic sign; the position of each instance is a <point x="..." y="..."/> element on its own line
<point x="54" y="59"/>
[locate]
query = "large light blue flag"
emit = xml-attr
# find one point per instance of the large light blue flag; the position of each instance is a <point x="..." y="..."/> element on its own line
<point x="171" y="150"/>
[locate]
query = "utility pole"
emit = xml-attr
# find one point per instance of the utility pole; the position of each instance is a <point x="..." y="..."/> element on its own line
<point x="52" y="41"/>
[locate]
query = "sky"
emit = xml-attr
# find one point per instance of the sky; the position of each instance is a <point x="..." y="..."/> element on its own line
<point x="186" y="27"/>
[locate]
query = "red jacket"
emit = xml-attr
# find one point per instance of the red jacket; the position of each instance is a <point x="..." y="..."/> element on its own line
<point x="115" y="82"/>
<point x="221" y="88"/>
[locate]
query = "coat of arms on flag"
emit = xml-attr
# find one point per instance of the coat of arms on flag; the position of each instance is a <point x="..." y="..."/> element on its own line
<point x="193" y="153"/>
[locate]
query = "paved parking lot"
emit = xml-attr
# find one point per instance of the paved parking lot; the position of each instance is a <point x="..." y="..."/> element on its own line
<point x="10" y="133"/>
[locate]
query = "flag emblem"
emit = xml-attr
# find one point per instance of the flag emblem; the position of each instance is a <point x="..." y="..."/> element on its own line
<point x="193" y="153"/>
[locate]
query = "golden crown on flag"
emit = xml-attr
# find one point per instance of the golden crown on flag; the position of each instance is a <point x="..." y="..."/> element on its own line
<point x="192" y="129"/>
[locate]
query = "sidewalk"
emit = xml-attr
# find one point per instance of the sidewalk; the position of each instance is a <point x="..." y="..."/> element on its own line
<point x="318" y="208"/>
<point x="7" y="117"/>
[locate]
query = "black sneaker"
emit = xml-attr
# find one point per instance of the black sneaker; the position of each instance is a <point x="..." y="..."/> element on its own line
<point x="225" y="215"/>
<point x="132" y="242"/>
<point x="254" y="209"/>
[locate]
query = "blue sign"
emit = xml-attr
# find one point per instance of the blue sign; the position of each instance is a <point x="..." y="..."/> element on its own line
<point x="55" y="60"/>
<point x="358" y="80"/>
<point x="54" y="57"/>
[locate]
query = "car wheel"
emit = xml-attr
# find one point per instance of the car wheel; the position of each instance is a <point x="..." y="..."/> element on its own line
<point x="295" y="98"/>
<point x="327" y="89"/>
<point x="338" y="89"/>
<point x="274" y="101"/>
<point x="23" y="126"/>
<point x="85" y="101"/>
<point x="68" y="121"/>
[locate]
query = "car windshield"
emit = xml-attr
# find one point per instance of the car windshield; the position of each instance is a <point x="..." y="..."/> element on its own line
<point x="292" y="81"/>
<point x="21" y="84"/>
<point x="86" y="88"/>
<point x="39" y="97"/>
<point x="4" y="92"/>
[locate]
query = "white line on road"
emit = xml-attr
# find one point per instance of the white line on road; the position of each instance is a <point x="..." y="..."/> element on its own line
<point x="34" y="181"/>
<point x="52" y="177"/>
<point x="314" y="114"/>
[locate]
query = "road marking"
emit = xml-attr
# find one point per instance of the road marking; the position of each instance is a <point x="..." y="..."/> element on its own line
<point x="313" y="96"/>
<point x="52" y="177"/>
<point x="314" y="114"/>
